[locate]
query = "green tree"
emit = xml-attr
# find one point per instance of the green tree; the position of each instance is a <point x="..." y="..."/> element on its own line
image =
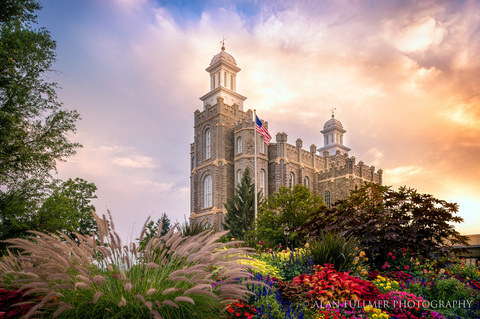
<point x="33" y="124"/>
<point x="387" y="220"/>
<point x="240" y="216"/>
<point x="57" y="206"/>
<point x="69" y="208"/>
<point x="151" y="229"/>
<point x="284" y="213"/>
<point x="34" y="129"/>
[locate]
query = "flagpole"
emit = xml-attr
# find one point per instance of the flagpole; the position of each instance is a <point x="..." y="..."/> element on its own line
<point x="255" y="183"/>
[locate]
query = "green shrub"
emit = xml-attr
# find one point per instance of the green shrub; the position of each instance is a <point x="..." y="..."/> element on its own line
<point x="335" y="249"/>
<point x="446" y="290"/>
<point x="101" y="278"/>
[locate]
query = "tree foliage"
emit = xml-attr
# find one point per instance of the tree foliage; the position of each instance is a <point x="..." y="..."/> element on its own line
<point x="387" y="220"/>
<point x="33" y="124"/>
<point x="240" y="217"/>
<point x="284" y="212"/>
<point x="58" y="206"/>
<point x="152" y="229"/>
<point x="34" y="130"/>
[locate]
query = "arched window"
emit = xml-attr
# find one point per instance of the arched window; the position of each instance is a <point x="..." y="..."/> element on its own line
<point x="306" y="181"/>
<point x="207" y="143"/>
<point x="207" y="192"/>
<point x="239" y="145"/>
<point x="239" y="176"/>
<point x="213" y="82"/>
<point x="193" y="163"/>
<point x="262" y="181"/>
<point x="327" y="198"/>
<point x="291" y="181"/>
<point x="231" y="82"/>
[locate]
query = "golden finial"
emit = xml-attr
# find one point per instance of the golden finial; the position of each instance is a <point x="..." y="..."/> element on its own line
<point x="223" y="43"/>
<point x="333" y="111"/>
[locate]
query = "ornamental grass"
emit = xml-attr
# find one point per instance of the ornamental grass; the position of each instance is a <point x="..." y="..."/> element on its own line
<point x="99" y="277"/>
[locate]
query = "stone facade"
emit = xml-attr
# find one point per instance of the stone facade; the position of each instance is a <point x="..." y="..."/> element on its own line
<point x="224" y="146"/>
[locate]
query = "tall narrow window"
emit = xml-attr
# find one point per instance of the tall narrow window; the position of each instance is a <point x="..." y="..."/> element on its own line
<point x="225" y="79"/>
<point x="239" y="145"/>
<point x="239" y="176"/>
<point x="213" y="82"/>
<point x="207" y="192"/>
<point x="262" y="145"/>
<point x="231" y="82"/>
<point x="193" y="163"/>
<point x="207" y="143"/>
<point x="291" y="181"/>
<point x="306" y="181"/>
<point x="218" y="78"/>
<point x="262" y="181"/>
<point x="327" y="198"/>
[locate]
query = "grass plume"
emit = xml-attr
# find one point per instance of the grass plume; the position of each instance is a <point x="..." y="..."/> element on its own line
<point x="99" y="277"/>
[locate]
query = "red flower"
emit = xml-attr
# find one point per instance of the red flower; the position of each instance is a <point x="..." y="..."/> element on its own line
<point x="237" y="314"/>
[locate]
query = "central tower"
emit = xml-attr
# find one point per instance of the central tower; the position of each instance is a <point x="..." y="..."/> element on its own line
<point x="223" y="143"/>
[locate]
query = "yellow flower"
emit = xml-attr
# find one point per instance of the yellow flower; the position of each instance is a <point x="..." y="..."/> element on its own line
<point x="362" y="254"/>
<point x="307" y="245"/>
<point x="368" y="308"/>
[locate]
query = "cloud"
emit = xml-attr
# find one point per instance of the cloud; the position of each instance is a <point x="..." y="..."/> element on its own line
<point x="135" y="161"/>
<point x="404" y="77"/>
<point x="399" y="175"/>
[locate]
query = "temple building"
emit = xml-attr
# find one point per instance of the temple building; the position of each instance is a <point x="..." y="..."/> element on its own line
<point x="223" y="147"/>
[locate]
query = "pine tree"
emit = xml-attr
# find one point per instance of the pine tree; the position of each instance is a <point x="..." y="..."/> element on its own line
<point x="240" y="217"/>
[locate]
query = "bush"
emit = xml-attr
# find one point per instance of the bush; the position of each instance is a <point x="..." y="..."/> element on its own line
<point x="447" y="290"/>
<point x="335" y="249"/>
<point x="101" y="278"/>
<point x="387" y="220"/>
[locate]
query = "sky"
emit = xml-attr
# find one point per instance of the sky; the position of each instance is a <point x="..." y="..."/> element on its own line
<point x="404" y="77"/>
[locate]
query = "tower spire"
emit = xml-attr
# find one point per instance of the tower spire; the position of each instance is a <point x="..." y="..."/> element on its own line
<point x="333" y="111"/>
<point x="223" y="43"/>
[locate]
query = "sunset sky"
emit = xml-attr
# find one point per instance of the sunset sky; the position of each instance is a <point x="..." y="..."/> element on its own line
<point x="404" y="77"/>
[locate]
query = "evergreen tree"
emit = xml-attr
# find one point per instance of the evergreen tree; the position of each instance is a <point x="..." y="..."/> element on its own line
<point x="240" y="217"/>
<point x="152" y="229"/>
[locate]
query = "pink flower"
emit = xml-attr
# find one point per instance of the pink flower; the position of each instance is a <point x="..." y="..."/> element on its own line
<point x="407" y="267"/>
<point x="425" y="271"/>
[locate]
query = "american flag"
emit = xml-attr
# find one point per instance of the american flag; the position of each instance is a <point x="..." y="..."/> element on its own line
<point x="260" y="128"/>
